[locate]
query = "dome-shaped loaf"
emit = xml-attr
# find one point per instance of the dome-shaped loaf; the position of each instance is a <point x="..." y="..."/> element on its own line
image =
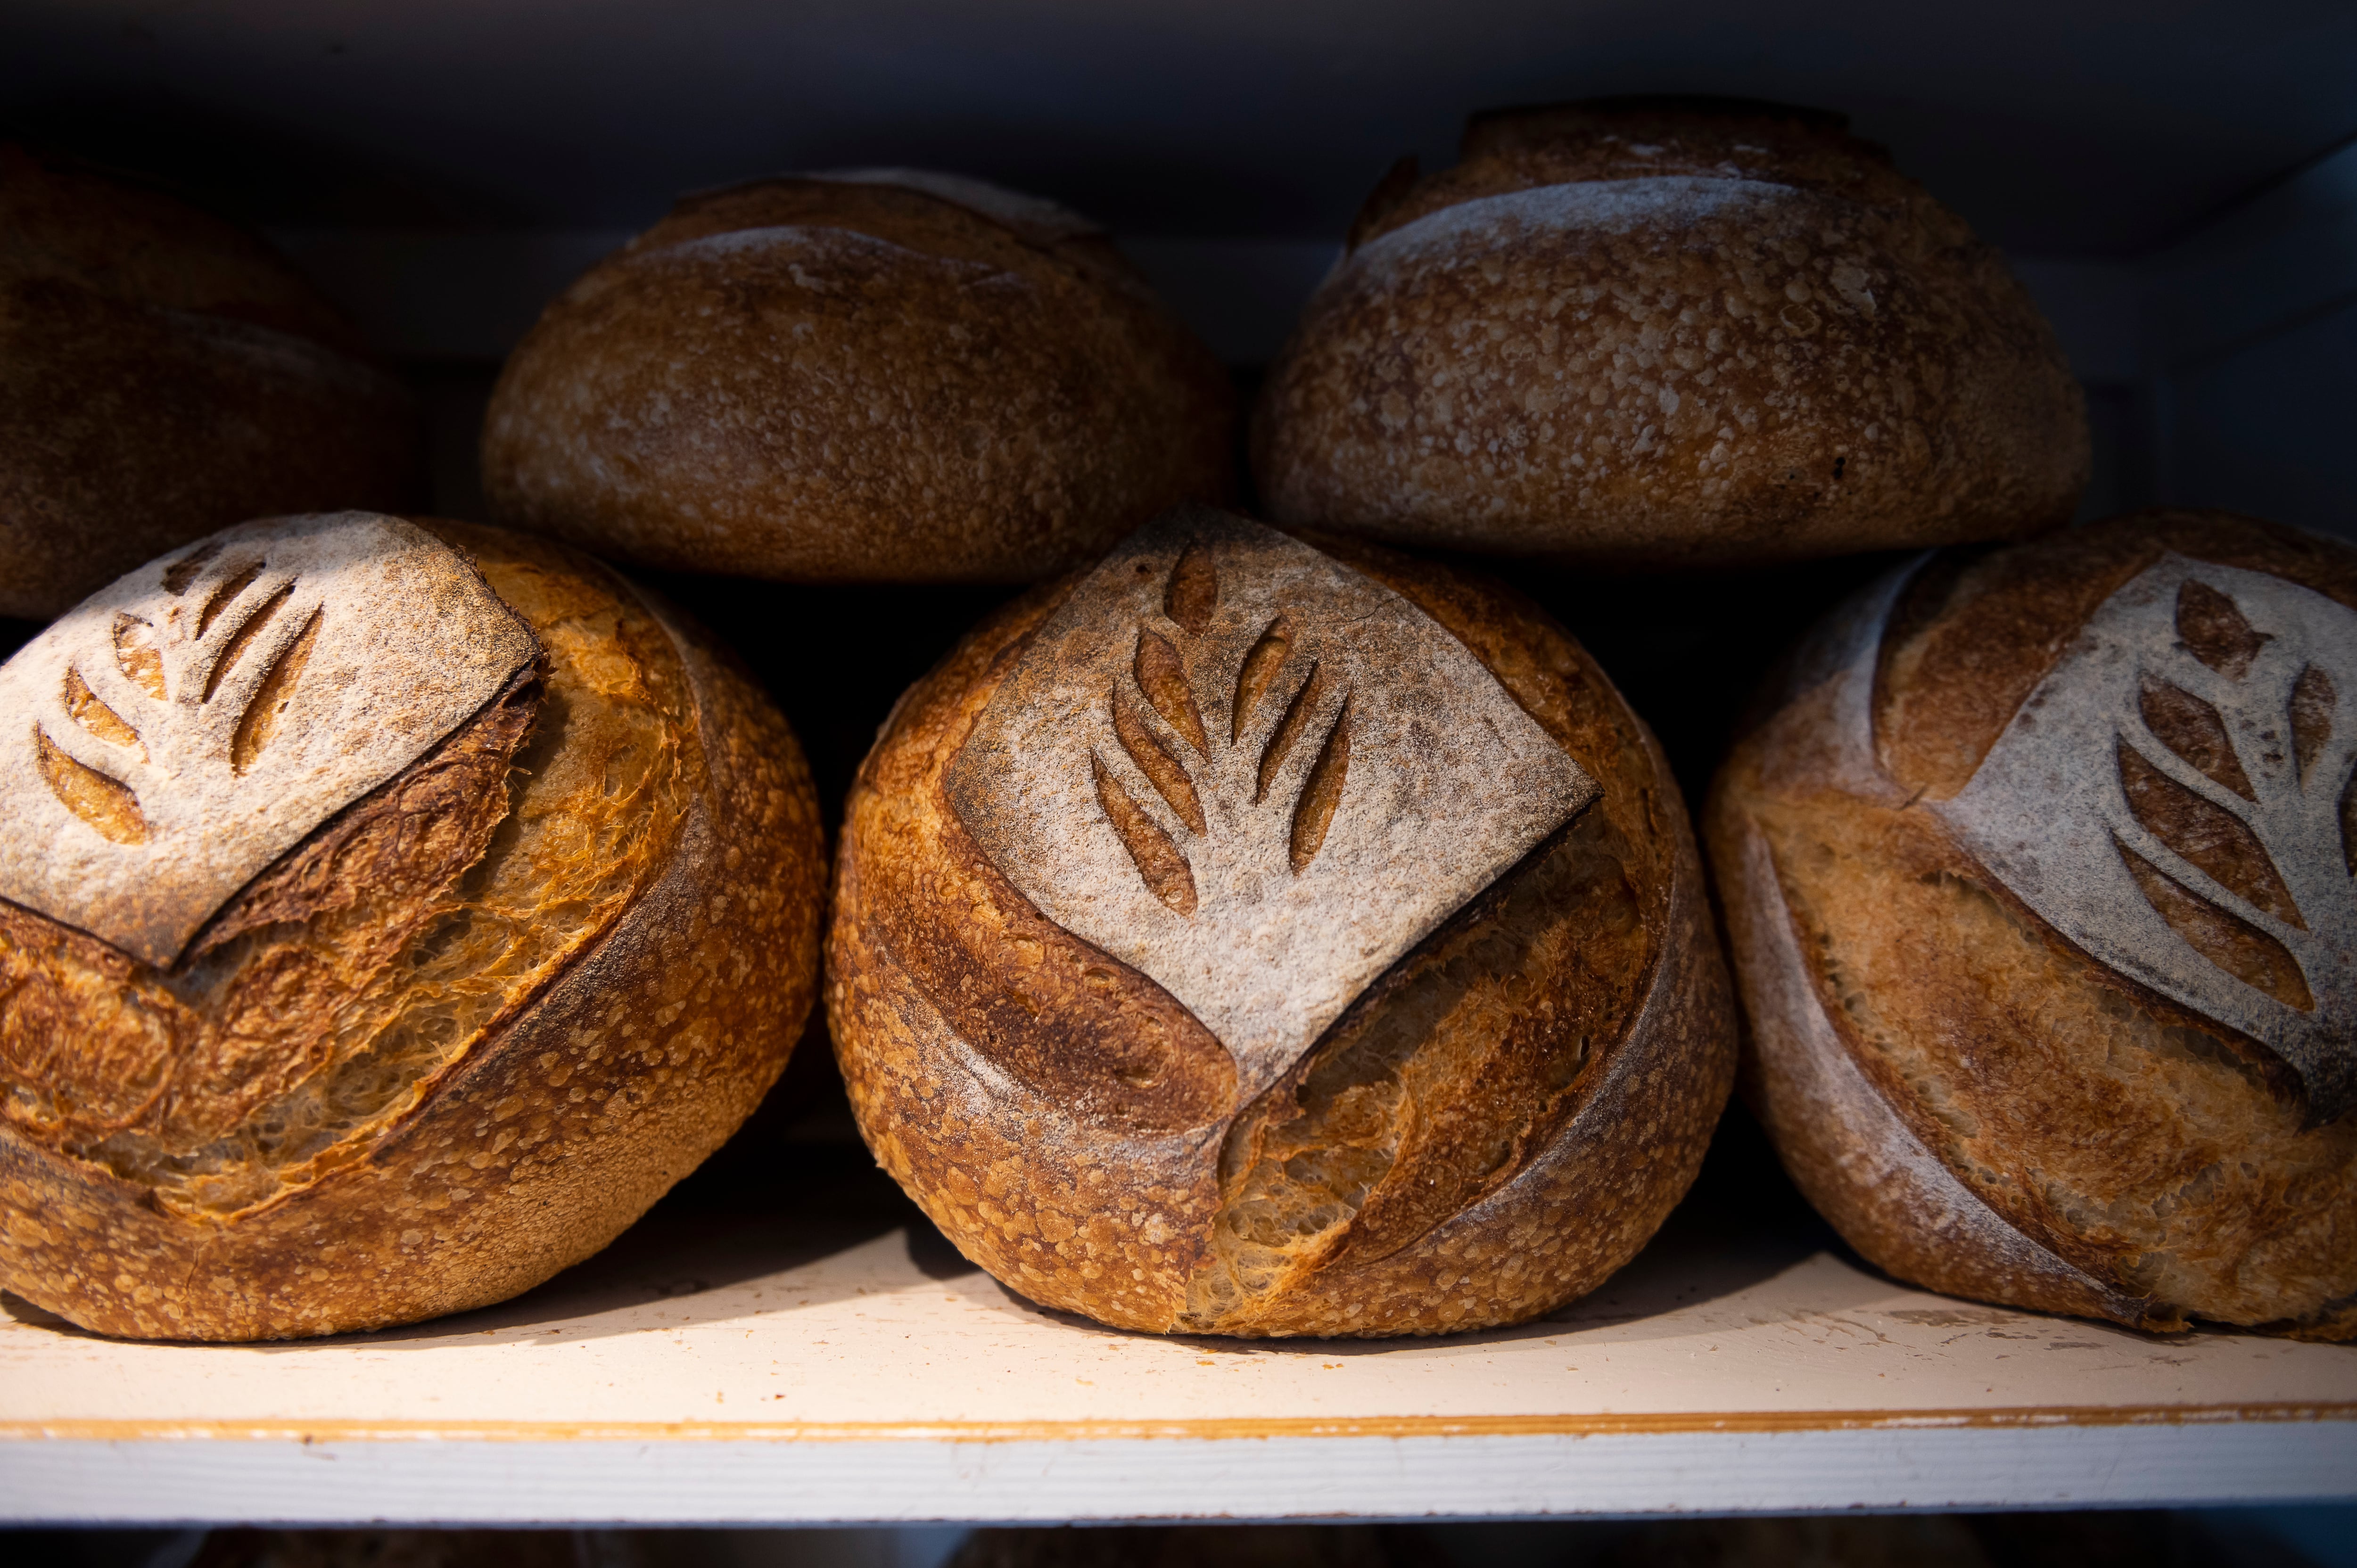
<point x="1253" y="936"/>
<point x="1669" y="333"/>
<point x="873" y="376"/>
<point x="2038" y="867"/>
<point x="163" y="374"/>
<point x="389" y="912"/>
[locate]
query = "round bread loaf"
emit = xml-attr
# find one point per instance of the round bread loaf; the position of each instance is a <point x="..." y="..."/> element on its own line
<point x="1669" y="333"/>
<point x="2038" y="869"/>
<point x="389" y="912"/>
<point x="874" y="376"/>
<point x="164" y="374"/>
<point x="1244" y="935"/>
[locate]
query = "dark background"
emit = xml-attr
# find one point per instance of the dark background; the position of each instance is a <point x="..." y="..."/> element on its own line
<point x="2115" y="147"/>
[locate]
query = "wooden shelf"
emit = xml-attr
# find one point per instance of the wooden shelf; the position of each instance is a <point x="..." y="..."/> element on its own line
<point x="743" y="1364"/>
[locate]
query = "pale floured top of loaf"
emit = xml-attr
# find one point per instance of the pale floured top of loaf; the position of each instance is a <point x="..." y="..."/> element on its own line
<point x="1034" y="217"/>
<point x="2104" y="804"/>
<point x="2103" y="1103"/>
<point x="175" y="734"/>
<point x="1461" y="235"/>
<point x="1256" y="774"/>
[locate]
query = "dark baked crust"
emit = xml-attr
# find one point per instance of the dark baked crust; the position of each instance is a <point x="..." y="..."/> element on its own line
<point x="1495" y="1126"/>
<point x="2114" y="1154"/>
<point x="1660" y="336"/>
<point x="812" y="381"/>
<point x="609" y="1071"/>
<point x="162" y="375"/>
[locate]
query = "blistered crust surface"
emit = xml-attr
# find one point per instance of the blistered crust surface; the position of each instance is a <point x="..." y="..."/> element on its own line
<point x="582" y="1015"/>
<point x="1856" y="1159"/>
<point x="1567" y="1039"/>
<point x="1564" y="346"/>
<point x="815" y="380"/>
<point x="2156" y="1150"/>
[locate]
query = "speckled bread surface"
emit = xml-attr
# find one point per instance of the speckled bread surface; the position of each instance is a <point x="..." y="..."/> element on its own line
<point x="874" y="376"/>
<point x="478" y="1017"/>
<point x="163" y="374"/>
<point x="2037" y="868"/>
<point x="1665" y="334"/>
<point x="1264" y="936"/>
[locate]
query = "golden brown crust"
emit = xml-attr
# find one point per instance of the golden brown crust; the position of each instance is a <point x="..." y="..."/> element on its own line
<point x="572" y="1021"/>
<point x="2162" y="1163"/>
<point x="814" y="381"/>
<point x="162" y="375"/>
<point x="1493" y="1128"/>
<point x="1654" y="336"/>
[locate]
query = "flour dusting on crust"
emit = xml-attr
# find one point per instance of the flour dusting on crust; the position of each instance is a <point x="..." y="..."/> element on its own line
<point x="179" y="730"/>
<point x="1034" y="217"/>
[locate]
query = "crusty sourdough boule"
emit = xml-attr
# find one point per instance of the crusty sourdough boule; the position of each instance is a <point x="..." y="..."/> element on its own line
<point x="164" y="374"/>
<point x="1245" y="936"/>
<point x="1669" y="332"/>
<point x="2038" y="871"/>
<point x="872" y="376"/>
<point x="389" y="912"/>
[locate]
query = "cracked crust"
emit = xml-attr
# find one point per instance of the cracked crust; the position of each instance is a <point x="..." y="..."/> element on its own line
<point x="1667" y="335"/>
<point x="162" y="375"/>
<point x="2080" y="1142"/>
<point x="814" y="381"/>
<point x="455" y="1041"/>
<point x="1489" y="1131"/>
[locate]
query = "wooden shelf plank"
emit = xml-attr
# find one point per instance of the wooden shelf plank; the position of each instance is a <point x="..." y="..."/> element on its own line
<point x="741" y="1368"/>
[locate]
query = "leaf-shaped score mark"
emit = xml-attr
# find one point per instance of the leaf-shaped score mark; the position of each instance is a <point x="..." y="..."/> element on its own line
<point x="2174" y="800"/>
<point x="174" y="704"/>
<point x="1261" y="667"/>
<point x="165" y="741"/>
<point x="109" y="808"/>
<point x="1358" y="776"/>
<point x="1193" y="591"/>
<point x="1158" y="860"/>
<point x="1163" y="771"/>
<point x="1161" y="675"/>
<point x="1251" y="753"/>
<point x="1321" y="793"/>
<point x="2219" y="806"/>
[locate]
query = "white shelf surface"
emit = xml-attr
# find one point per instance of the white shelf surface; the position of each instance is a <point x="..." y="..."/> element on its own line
<point x="745" y="1368"/>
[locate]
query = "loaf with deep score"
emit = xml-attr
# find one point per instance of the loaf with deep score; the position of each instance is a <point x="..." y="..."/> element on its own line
<point x="279" y="1060"/>
<point x="2038" y="867"/>
<point x="1253" y="935"/>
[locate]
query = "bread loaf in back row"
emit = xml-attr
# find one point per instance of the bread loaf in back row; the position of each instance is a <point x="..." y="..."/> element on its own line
<point x="163" y="374"/>
<point x="2041" y="869"/>
<point x="883" y="375"/>
<point x="1267" y="936"/>
<point x="1669" y="333"/>
<point x="389" y="912"/>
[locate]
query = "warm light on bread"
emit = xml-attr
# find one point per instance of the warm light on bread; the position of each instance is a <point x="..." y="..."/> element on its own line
<point x="1669" y="333"/>
<point x="1255" y="936"/>
<point x="2038" y="867"/>
<point x="870" y="376"/>
<point x="509" y="983"/>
